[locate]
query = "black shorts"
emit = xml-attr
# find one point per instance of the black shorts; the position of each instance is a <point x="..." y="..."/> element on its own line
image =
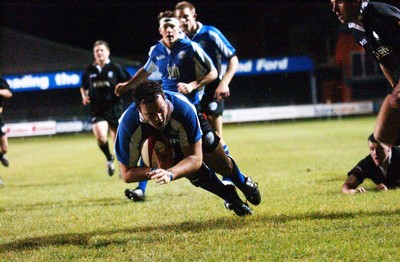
<point x="2" y="131"/>
<point x="111" y="115"/>
<point x="209" y="104"/>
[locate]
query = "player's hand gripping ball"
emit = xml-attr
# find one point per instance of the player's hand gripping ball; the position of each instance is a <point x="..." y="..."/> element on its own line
<point x="156" y="151"/>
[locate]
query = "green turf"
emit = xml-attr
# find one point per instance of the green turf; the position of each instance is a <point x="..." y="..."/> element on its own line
<point x="58" y="203"/>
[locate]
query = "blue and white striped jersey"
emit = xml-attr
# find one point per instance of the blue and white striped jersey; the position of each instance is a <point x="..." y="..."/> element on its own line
<point x="185" y="62"/>
<point x="214" y="43"/>
<point x="183" y="128"/>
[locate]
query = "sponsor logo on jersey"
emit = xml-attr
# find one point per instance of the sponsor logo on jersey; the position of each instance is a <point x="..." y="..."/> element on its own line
<point x="363" y="42"/>
<point x="160" y="57"/>
<point x="382" y="51"/>
<point x="173" y="72"/>
<point x="99" y="84"/>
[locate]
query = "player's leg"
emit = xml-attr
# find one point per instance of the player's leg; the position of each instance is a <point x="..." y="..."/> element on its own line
<point x="388" y="121"/>
<point x="3" y="143"/>
<point x="100" y="132"/>
<point x="206" y="179"/>
<point x="216" y="122"/>
<point x="4" y="149"/>
<point x="214" y="156"/>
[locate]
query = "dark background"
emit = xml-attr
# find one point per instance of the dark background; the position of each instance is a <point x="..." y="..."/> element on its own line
<point x="255" y="28"/>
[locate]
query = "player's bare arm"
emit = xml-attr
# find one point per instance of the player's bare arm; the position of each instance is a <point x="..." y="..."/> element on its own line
<point x="351" y="184"/>
<point x="133" y="174"/>
<point x="85" y="96"/>
<point x="140" y="75"/>
<point x="184" y="168"/>
<point x="187" y="88"/>
<point x="222" y="90"/>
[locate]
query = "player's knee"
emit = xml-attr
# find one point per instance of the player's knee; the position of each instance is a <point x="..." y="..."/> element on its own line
<point x="210" y="142"/>
<point x="124" y="176"/>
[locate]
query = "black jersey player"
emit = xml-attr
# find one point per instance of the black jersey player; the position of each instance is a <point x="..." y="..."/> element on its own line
<point x="98" y="82"/>
<point x="376" y="27"/>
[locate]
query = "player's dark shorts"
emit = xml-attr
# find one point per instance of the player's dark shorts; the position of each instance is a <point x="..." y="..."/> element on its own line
<point x="111" y="115"/>
<point x="209" y="104"/>
<point x="2" y="131"/>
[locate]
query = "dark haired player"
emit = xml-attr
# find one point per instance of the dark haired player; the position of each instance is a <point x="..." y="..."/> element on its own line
<point x="5" y="93"/>
<point x="382" y="166"/>
<point x="174" y="117"/>
<point x="98" y="83"/>
<point x="376" y="27"/>
<point x="186" y="68"/>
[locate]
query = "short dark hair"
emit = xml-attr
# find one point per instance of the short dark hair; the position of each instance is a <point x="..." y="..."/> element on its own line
<point x="372" y="139"/>
<point x="167" y="13"/>
<point x="147" y="92"/>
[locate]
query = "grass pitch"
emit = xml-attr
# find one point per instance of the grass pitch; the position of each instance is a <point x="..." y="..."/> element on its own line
<point x="58" y="203"/>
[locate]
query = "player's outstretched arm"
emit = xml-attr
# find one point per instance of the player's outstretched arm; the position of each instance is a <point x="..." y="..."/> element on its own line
<point x="185" y="168"/>
<point x="133" y="174"/>
<point x="140" y="75"/>
<point x="350" y="186"/>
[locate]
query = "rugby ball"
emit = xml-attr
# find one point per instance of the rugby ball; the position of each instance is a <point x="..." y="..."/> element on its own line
<point x="156" y="151"/>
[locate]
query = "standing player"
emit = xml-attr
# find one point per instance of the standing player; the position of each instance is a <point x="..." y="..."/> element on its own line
<point x="216" y="46"/>
<point x="174" y="117"/>
<point x="186" y="68"/>
<point x="5" y="93"/>
<point x="98" y="83"/>
<point x="376" y="27"/>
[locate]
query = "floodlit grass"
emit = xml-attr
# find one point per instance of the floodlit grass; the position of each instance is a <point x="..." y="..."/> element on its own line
<point x="58" y="203"/>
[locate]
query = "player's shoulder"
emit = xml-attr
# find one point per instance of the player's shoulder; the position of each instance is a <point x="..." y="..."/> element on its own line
<point x="156" y="48"/>
<point x="4" y="84"/>
<point x="396" y="152"/>
<point x="179" y="101"/>
<point x="115" y="66"/>
<point x="383" y="9"/>
<point x="130" y="116"/>
<point x="183" y="42"/>
<point x="89" y="67"/>
<point x="210" y="28"/>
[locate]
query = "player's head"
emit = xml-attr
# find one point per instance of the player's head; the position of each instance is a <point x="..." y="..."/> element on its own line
<point x="168" y="27"/>
<point x="346" y="10"/>
<point x="378" y="151"/>
<point x="101" y="51"/>
<point x="150" y="101"/>
<point x="186" y="14"/>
